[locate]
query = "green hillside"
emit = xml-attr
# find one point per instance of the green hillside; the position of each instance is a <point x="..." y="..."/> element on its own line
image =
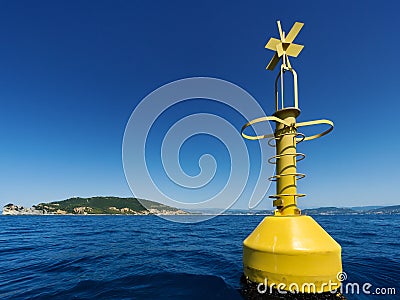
<point x="103" y="205"/>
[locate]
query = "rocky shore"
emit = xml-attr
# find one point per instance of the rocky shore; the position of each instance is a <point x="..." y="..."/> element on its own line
<point x="11" y="209"/>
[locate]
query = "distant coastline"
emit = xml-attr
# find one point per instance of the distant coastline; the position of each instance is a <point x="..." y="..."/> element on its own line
<point x="323" y="211"/>
<point x="132" y="206"/>
<point x="366" y="210"/>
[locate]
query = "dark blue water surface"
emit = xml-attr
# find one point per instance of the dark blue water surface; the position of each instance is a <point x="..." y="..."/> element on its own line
<point x="145" y="257"/>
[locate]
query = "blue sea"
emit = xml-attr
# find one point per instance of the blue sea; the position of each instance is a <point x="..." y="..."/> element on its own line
<point x="146" y="257"/>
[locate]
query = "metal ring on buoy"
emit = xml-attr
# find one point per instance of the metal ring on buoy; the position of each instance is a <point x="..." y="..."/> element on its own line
<point x="301" y="155"/>
<point x="316" y="122"/>
<point x="258" y="120"/>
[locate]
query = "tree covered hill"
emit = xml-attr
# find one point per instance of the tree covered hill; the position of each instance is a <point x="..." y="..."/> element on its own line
<point x="106" y="205"/>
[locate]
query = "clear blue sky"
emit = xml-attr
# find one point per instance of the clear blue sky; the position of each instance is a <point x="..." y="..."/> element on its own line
<point x="71" y="73"/>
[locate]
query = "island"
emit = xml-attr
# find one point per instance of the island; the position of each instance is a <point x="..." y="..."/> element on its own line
<point x="94" y="206"/>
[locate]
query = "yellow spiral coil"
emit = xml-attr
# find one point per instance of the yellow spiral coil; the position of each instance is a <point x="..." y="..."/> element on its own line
<point x="288" y="130"/>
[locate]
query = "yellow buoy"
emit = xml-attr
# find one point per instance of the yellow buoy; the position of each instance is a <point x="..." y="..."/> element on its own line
<point x="289" y="251"/>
